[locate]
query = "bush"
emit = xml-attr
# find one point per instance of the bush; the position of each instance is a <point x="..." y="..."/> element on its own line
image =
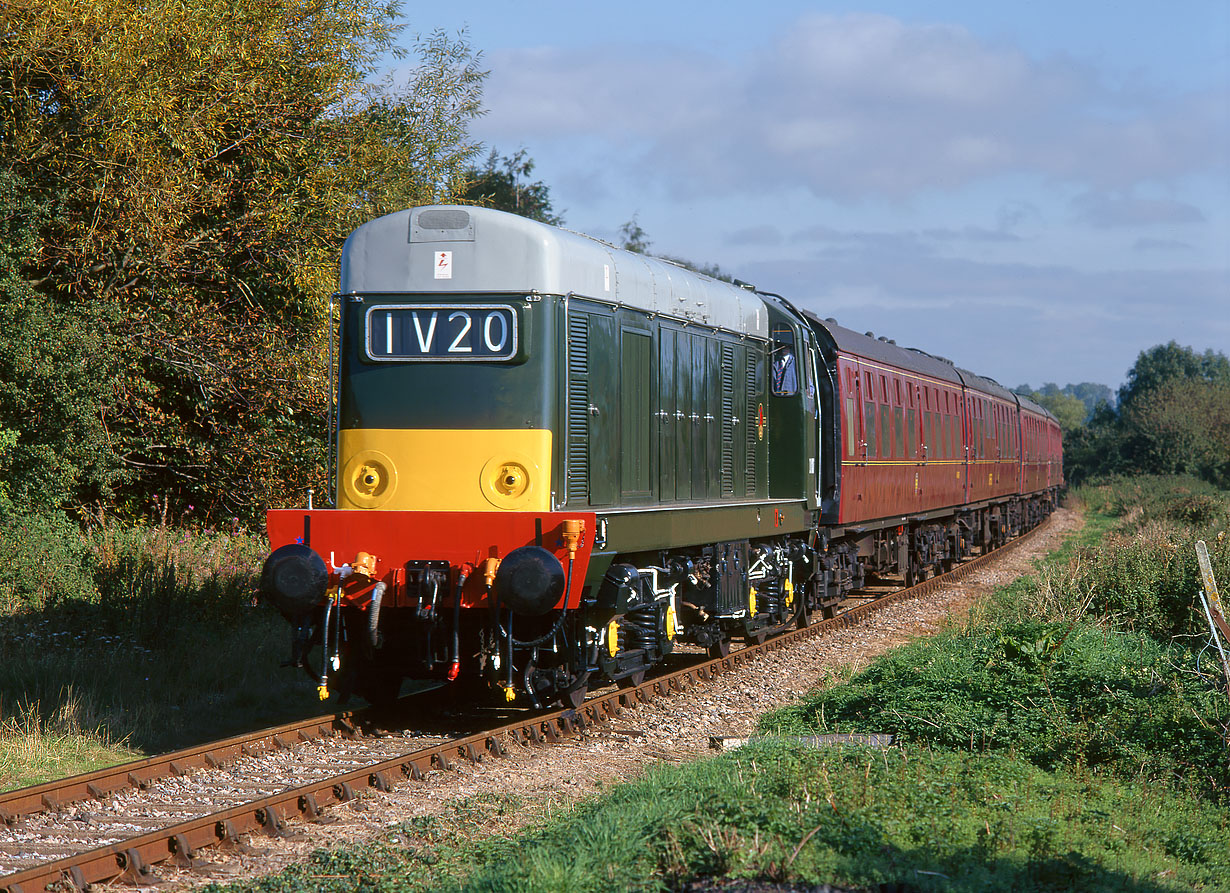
<point x="1059" y="696"/>
<point x="1143" y="575"/>
<point x="48" y="560"/>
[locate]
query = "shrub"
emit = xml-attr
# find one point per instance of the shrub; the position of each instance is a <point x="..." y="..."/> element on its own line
<point x="1060" y="696"/>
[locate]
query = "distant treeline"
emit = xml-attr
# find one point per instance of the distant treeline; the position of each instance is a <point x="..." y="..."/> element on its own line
<point x="1171" y="417"/>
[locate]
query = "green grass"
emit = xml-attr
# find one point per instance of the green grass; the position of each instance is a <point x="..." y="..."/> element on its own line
<point x="915" y="816"/>
<point x="1082" y="698"/>
<point x="33" y="749"/>
<point x="143" y="640"/>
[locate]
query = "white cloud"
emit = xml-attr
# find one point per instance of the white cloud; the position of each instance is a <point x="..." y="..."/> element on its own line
<point x="851" y="107"/>
<point x="1105" y="210"/>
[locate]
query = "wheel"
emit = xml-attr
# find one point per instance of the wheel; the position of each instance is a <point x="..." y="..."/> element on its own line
<point x="720" y="648"/>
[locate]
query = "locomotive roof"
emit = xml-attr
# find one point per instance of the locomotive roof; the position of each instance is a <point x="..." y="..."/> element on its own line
<point x="882" y="350"/>
<point x="493" y="252"/>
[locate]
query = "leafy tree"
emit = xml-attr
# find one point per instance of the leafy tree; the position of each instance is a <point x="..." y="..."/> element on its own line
<point x="1087" y="392"/>
<point x="1091" y="394"/>
<point x="1169" y="361"/>
<point x="503" y="183"/>
<point x="57" y="373"/>
<point x="633" y="238"/>
<point x="1173" y="417"/>
<point x="1183" y="427"/>
<point x="1069" y="411"/>
<point x="204" y="162"/>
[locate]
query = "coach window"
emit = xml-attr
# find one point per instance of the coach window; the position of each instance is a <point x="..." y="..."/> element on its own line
<point x="886" y="432"/>
<point x="785" y="369"/>
<point x="869" y="420"/>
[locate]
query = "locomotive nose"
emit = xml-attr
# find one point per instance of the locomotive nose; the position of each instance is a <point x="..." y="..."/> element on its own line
<point x="530" y="581"/>
<point x="293" y="580"/>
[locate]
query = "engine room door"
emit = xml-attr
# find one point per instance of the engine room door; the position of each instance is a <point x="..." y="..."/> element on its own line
<point x="684" y="456"/>
<point x="667" y="425"/>
<point x="603" y="410"/>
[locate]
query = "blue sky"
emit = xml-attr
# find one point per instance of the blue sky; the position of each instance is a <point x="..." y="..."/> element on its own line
<point x="1038" y="190"/>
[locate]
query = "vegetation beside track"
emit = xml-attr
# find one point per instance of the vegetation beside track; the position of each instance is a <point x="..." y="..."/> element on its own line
<point x="1055" y="741"/>
<point x="119" y="642"/>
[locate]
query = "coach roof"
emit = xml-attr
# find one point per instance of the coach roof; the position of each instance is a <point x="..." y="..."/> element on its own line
<point x="448" y="249"/>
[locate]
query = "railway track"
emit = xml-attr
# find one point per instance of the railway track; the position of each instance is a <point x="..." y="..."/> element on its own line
<point x="116" y="824"/>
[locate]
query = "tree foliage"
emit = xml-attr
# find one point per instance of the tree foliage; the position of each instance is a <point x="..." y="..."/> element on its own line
<point x="56" y="377"/>
<point x="201" y="164"/>
<point x="1173" y="417"/>
<point x="1069" y="411"/>
<point x="1089" y="394"/>
<point x="1168" y="362"/>
<point x="633" y="238"/>
<point x="503" y="183"/>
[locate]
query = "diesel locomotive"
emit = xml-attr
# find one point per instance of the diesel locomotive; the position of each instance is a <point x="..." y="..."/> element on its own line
<point x="558" y="461"/>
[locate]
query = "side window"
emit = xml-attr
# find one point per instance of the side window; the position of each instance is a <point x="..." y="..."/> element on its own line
<point x="899" y="447"/>
<point x="851" y="421"/>
<point x="869" y="418"/>
<point x="784" y="367"/>
<point x="886" y="433"/>
<point x="911" y="434"/>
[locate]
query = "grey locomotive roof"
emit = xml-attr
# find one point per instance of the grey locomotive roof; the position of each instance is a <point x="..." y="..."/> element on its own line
<point x="493" y="252"/>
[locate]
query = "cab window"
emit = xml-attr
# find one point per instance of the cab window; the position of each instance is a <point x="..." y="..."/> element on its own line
<point x="784" y="365"/>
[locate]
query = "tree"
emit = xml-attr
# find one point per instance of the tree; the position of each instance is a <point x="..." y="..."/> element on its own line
<point x="633" y="238"/>
<point x="1068" y="411"/>
<point x="1173" y="417"/>
<point x="58" y="371"/>
<point x="1091" y="394"/>
<point x="502" y="183"/>
<point x="1183" y="427"/>
<point x="1166" y="362"/>
<point x="204" y="162"/>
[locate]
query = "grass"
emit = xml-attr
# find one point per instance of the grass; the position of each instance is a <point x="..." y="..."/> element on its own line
<point x="921" y="818"/>
<point x="1070" y="735"/>
<point x="144" y="639"/>
<point x="34" y="749"/>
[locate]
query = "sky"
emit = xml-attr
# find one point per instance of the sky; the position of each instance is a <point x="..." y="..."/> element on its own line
<point x="1038" y="190"/>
